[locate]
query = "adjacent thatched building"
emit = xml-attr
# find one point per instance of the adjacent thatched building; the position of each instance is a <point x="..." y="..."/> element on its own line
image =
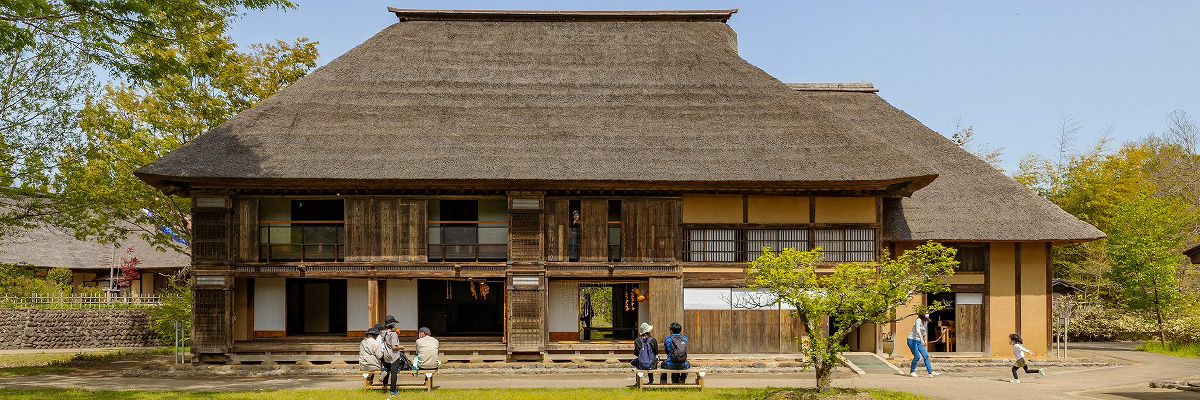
<point x="481" y="172"/>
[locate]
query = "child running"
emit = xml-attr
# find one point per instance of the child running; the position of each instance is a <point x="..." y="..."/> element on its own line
<point x="1019" y="352"/>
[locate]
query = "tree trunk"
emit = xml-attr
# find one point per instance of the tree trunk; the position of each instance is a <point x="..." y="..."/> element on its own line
<point x="824" y="369"/>
<point x="1162" y="331"/>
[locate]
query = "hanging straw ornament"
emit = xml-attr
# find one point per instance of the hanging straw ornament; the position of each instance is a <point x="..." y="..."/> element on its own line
<point x="483" y="289"/>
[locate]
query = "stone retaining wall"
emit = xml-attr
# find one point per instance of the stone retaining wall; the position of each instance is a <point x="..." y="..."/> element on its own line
<point x="33" y="328"/>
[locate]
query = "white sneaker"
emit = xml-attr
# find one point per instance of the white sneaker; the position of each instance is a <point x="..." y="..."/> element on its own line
<point x="1015" y="381"/>
<point x="934" y="373"/>
<point x="912" y="374"/>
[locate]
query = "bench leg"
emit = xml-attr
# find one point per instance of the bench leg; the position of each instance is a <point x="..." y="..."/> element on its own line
<point x="367" y="380"/>
<point x="638" y="378"/>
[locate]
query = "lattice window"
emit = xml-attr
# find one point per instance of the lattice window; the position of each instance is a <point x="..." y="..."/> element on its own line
<point x="210" y="235"/>
<point x="210" y="329"/>
<point x="526" y="233"/>
<point x="847" y="245"/>
<point x="775" y="239"/>
<point x="525" y="327"/>
<point x="717" y="245"/>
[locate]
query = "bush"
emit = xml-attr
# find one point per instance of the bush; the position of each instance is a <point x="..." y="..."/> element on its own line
<point x="176" y="306"/>
<point x="1102" y="324"/>
<point x="1183" y="330"/>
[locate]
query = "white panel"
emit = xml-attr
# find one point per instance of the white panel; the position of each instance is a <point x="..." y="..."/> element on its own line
<point x="562" y="315"/>
<point x="357" y="314"/>
<point x="270" y="304"/>
<point x="402" y="302"/>
<point x="493" y="210"/>
<point x="968" y="298"/>
<point x="706" y="299"/>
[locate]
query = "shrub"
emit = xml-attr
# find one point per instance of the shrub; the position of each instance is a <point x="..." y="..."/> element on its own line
<point x="176" y="306"/>
<point x="1102" y="324"/>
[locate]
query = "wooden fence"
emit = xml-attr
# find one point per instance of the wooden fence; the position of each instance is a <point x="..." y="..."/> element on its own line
<point x="81" y="301"/>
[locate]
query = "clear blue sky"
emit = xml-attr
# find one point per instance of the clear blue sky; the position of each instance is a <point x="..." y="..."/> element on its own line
<point x="1011" y="69"/>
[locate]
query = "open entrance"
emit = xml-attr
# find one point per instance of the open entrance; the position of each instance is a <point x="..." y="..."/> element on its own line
<point x="609" y="311"/>
<point x="959" y="326"/>
<point x="461" y="308"/>
<point x="316" y="306"/>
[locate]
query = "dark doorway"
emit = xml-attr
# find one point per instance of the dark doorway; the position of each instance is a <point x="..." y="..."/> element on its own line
<point x="942" y="323"/>
<point x="461" y="308"/>
<point x="613" y="310"/>
<point x="316" y="306"/>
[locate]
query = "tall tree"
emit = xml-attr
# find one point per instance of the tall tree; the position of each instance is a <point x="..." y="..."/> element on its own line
<point x="131" y="125"/>
<point x="1144" y="244"/>
<point x="847" y="298"/>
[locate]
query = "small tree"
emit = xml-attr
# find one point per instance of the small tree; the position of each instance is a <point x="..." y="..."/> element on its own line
<point x="1143" y="243"/>
<point x="130" y="269"/>
<point x="848" y="295"/>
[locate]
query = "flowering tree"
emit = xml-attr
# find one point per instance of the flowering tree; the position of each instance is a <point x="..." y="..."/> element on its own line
<point x="833" y="301"/>
<point x="129" y="269"/>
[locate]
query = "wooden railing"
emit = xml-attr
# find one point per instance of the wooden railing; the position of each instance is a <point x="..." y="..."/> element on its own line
<point x="468" y="240"/>
<point x="305" y="241"/>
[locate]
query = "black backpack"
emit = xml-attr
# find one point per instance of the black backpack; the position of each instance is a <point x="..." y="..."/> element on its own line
<point x="678" y="349"/>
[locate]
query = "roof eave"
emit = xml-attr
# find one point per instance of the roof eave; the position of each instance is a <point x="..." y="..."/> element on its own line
<point x="575" y="16"/>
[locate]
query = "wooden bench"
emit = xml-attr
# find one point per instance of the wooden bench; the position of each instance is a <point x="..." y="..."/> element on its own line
<point x="639" y="374"/>
<point x="428" y="374"/>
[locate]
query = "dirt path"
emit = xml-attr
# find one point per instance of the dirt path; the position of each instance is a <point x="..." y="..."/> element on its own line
<point x="1123" y="382"/>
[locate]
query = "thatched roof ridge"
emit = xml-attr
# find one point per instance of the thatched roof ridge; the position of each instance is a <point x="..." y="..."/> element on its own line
<point x="457" y="102"/>
<point x="969" y="201"/>
<point x="54" y="248"/>
<point x="551" y="15"/>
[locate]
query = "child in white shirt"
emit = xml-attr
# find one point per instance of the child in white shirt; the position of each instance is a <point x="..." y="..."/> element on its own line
<point x="1019" y="353"/>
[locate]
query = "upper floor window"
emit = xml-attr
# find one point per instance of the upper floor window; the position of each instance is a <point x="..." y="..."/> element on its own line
<point x="468" y="230"/>
<point x="971" y="257"/>
<point x="743" y="244"/>
<point x="301" y="230"/>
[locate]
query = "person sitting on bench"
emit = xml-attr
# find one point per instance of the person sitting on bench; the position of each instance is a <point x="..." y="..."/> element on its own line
<point x="676" y="349"/>
<point x="645" y="348"/>
<point x="427" y="350"/>
<point x="369" y="353"/>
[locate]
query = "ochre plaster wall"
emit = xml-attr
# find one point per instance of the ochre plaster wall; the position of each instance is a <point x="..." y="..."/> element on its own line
<point x="845" y="210"/>
<point x="708" y="209"/>
<point x="777" y="210"/>
<point x="1001" y="301"/>
<point x="1034" y="297"/>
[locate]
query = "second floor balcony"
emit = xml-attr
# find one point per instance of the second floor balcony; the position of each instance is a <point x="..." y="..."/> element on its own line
<point x="468" y="241"/>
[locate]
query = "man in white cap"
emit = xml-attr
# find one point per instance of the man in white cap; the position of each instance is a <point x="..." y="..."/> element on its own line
<point x="645" y="348"/>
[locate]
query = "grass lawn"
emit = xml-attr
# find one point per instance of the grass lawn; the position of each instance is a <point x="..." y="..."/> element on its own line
<point x="502" y="394"/>
<point x="1175" y="349"/>
<point x="52" y="363"/>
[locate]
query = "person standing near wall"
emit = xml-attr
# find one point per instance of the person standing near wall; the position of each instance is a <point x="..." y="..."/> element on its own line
<point x="917" y="340"/>
<point x="393" y="354"/>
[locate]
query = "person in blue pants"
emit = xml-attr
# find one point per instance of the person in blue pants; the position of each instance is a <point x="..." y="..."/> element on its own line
<point x="916" y="344"/>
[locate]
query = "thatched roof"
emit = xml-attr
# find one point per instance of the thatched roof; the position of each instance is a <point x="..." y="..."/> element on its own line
<point x="55" y="248"/>
<point x="969" y="201"/>
<point x="527" y="99"/>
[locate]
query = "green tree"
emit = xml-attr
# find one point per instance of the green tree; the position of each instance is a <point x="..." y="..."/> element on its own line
<point x="847" y="296"/>
<point x="1144" y="244"/>
<point x="131" y="125"/>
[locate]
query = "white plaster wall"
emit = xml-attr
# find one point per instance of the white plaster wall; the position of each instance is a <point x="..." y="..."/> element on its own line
<point x="402" y="302"/>
<point x="562" y="315"/>
<point x="493" y="210"/>
<point x="357" y="314"/>
<point x="270" y="304"/>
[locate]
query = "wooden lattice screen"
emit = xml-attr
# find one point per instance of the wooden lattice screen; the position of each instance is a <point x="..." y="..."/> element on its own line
<point x="526" y="315"/>
<point x="210" y="320"/>
<point x="210" y="235"/>
<point x="386" y="230"/>
<point x="525" y="227"/>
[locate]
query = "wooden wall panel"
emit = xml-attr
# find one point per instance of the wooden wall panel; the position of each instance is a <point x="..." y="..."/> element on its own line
<point x="650" y="230"/>
<point x="386" y="229"/>
<point x="557" y="217"/>
<point x="246" y="230"/>
<point x="593" y="227"/>
<point x="741" y="331"/>
<point x="666" y="302"/>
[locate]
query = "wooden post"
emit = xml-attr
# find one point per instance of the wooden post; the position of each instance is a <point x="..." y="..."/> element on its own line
<point x="372" y="301"/>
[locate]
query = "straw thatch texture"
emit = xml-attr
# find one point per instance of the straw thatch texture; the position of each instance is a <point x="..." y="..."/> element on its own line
<point x="55" y="248"/>
<point x="969" y="201"/>
<point x="453" y="101"/>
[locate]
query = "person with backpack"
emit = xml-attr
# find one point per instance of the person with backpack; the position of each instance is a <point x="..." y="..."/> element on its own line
<point x="676" y="348"/>
<point x="393" y="353"/>
<point x="645" y="349"/>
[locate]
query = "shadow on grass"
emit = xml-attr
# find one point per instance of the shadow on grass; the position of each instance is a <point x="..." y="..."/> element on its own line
<point x="57" y="363"/>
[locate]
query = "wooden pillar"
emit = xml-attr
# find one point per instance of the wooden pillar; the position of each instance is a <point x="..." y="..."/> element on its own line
<point x="373" y="303"/>
<point x="666" y="304"/>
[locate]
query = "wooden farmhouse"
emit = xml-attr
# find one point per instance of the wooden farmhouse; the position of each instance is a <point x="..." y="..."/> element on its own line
<point x="483" y="173"/>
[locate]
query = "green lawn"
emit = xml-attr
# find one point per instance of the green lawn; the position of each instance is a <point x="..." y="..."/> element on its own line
<point x="1175" y="349"/>
<point x="53" y="363"/>
<point x="501" y="394"/>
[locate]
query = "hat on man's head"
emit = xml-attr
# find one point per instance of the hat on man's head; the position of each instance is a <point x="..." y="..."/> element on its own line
<point x="389" y="320"/>
<point x="379" y="327"/>
<point x="424" y="330"/>
<point x="372" y="331"/>
<point x="645" y="328"/>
